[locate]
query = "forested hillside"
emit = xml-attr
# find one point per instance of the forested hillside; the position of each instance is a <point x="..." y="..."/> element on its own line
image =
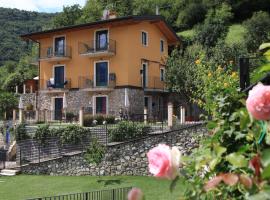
<point x="15" y="22"/>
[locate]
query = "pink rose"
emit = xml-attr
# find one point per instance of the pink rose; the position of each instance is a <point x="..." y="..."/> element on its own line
<point x="258" y="102"/>
<point x="135" y="194"/>
<point x="164" y="162"/>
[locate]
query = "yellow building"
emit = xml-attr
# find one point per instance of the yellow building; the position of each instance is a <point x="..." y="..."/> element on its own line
<point x="105" y="66"/>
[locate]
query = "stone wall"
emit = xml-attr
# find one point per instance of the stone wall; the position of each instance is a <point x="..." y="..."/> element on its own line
<point x="122" y="159"/>
<point x="29" y="98"/>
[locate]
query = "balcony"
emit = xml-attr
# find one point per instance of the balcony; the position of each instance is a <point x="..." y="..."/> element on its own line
<point x="87" y="83"/>
<point x="49" y="54"/>
<point x="154" y="84"/>
<point x="92" y="49"/>
<point x="55" y="86"/>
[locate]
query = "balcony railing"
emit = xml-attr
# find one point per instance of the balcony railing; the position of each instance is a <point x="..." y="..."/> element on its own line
<point x="49" y="53"/>
<point x="50" y="84"/>
<point x="88" y="82"/>
<point x="154" y="83"/>
<point x="93" y="49"/>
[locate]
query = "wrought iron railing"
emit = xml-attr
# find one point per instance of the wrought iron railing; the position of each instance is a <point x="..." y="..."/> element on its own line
<point x="92" y="47"/>
<point x="153" y="82"/>
<point x="109" y="194"/>
<point x="51" y="84"/>
<point x="51" y="53"/>
<point x="85" y="82"/>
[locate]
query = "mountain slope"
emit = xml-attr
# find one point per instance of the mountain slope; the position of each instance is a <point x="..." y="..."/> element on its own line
<point x="15" y="22"/>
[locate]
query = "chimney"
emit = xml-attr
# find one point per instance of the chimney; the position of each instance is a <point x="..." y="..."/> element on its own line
<point x="108" y="14"/>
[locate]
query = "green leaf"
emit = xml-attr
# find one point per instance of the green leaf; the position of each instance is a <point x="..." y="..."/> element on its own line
<point x="236" y="160"/>
<point x="264" y="46"/>
<point x="211" y="125"/>
<point x="266" y="172"/>
<point x="219" y="150"/>
<point x="265" y="158"/>
<point x="173" y="184"/>
<point x="213" y="163"/>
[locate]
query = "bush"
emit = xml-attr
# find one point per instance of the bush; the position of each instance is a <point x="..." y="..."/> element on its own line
<point x="70" y="117"/>
<point x="100" y="119"/>
<point x="110" y="119"/>
<point x="88" y="120"/>
<point x="95" y="152"/>
<point x="72" y="134"/>
<point x="21" y="133"/>
<point x="126" y="130"/>
<point x="42" y="133"/>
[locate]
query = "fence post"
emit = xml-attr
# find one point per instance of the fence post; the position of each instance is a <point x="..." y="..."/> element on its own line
<point x="14" y="115"/>
<point x="17" y="89"/>
<point x="24" y="89"/>
<point x="145" y="112"/>
<point x="37" y="115"/>
<point x="170" y="115"/>
<point x="81" y="116"/>
<point x="86" y="196"/>
<point x="21" y="116"/>
<point x="182" y="115"/>
<point x="113" y="195"/>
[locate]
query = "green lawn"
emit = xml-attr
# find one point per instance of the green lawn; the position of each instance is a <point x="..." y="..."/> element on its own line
<point x="234" y="36"/>
<point x="22" y="187"/>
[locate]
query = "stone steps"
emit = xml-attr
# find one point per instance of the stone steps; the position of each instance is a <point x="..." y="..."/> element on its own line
<point x="9" y="172"/>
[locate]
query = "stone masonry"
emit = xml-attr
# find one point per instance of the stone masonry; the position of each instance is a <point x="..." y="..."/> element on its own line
<point x="121" y="159"/>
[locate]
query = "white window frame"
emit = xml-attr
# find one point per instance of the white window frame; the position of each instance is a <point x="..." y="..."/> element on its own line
<point x="162" y="69"/>
<point x="147" y="38"/>
<point x="100" y="61"/>
<point x="94" y="103"/>
<point x="65" y="44"/>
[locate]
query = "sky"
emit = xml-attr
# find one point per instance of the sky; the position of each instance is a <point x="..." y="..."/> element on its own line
<point x="40" y="5"/>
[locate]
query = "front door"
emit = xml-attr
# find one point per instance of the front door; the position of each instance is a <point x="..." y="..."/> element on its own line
<point x="101" y="105"/>
<point x="59" y="76"/>
<point x="58" y="106"/>
<point x="101" y="40"/>
<point x="101" y="76"/>
<point x="59" y="46"/>
<point x="144" y="75"/>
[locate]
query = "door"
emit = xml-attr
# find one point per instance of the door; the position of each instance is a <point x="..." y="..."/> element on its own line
<point x="59" y="76"/>
<point x="144" y="75"/>
<point x="58" y="106"/>
<point x="59" y="46"/>
<point x="101" y="76"/>
<point x="101" y="40"/>
<point x="101" y="105"/>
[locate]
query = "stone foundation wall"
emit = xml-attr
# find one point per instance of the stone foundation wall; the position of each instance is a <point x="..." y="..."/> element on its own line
<point x="29" y="98"/>
<point x="79" y="98"/>
<point x="122" y="159"/>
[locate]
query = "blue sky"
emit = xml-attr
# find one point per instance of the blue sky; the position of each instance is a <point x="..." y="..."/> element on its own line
<point x="40" y="5"/>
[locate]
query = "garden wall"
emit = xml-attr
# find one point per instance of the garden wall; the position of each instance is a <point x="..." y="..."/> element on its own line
<point x="121" y="159"/>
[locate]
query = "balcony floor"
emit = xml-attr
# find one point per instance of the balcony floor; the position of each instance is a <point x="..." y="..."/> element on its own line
<point x="98" y="54"/>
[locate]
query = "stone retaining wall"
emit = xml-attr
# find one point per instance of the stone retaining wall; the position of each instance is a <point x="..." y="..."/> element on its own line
<point x="122" y="159"/>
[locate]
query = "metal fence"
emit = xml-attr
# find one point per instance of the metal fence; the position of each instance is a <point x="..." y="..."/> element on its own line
<point x="110" y="194"/>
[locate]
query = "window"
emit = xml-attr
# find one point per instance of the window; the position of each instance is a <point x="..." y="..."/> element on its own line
<point x="144" y="38"/>
<point x="101" y="74"/>
<point x="162" y="74"/>
<point x="162" y="45"/>
<point x="102" y="40"/>
<point x="59" y="46"/>
<point x="101" y="105"/>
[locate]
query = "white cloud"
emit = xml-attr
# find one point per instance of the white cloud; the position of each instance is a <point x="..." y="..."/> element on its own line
<point x="40" y="5"/>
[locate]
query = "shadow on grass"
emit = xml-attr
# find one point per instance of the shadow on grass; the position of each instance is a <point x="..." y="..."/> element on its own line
<point x="110" y="182"/>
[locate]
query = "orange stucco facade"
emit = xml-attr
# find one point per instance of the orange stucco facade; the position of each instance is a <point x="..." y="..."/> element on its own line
<point x="126" y="63"/>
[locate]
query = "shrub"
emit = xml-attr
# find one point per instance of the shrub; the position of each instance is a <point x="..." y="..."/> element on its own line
<point x="95" y="152"/>
<point x="42" y="133"/>
<point x="70" y="116"/>
<point x="21" y="133"/>
<point x="88" y="120"/>
<point x="126" y="130"/>
<point x="100" y="119"/>
<point x="110" y="119"/>
<point x="72" y="134"/>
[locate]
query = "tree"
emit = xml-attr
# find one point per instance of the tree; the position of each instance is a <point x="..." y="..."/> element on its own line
<point x="258" y="30"/>
<point x="92" y="11"/>
<point x="68" y="17"/>
<point x="215" y="26"/>
<point x="8" y="101"/>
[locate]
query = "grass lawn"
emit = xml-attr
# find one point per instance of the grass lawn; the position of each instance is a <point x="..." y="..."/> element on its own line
<point x="23" y="186"/>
